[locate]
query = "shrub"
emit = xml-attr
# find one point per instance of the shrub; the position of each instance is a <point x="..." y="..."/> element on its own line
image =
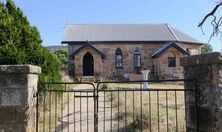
<point x="62" y="56"/>
<point x="104" y="86"/>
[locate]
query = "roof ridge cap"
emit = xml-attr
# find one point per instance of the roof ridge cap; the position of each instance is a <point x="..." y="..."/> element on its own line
<point x="115" y="24"/>
<point x="174" y="35"/>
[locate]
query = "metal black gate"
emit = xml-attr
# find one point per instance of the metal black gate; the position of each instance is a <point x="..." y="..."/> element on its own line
<point x="113" y="106"/>
<point x="63" y="107"/>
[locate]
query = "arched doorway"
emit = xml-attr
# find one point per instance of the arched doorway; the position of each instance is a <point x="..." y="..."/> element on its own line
<point x="88" y="65"/>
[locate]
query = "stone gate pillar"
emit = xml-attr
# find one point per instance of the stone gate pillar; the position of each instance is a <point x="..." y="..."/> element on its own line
<point x="207" y="70"/>
<point x="18" y="86"/>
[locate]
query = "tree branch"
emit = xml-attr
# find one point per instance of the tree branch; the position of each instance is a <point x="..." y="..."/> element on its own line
<point x="210" y="14"/>
<point x="216" y="22"/>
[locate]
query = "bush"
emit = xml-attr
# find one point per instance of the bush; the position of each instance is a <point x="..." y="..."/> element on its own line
<point x="206" y="48"/>
<point x="104" y="86"/>
<point x="62" y="56"/>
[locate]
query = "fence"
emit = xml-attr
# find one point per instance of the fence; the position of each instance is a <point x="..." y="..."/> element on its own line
<point x="114" y="106"/>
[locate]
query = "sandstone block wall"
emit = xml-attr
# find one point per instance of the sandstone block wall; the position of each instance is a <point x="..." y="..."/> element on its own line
<point x="206" y="69"/>
<point x="161" y="69"/>
<point x="71" y="66"/>
<point x="18" y="86"/>
<point x="106" y="67"/>
<point x="78" y="62"/>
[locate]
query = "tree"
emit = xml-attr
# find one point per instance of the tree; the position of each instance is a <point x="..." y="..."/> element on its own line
<point x="20" y="43"/>
<point x="215" y="22"/>
<point x="206" y="48"/>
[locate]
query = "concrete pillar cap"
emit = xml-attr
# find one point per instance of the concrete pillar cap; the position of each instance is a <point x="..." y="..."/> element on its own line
<point x="22" y="69"/>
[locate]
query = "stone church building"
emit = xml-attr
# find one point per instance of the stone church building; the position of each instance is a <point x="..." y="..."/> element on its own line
<point x="120" y="51"/>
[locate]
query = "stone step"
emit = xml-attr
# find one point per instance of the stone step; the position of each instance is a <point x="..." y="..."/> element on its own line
<point x="88" y="79"/>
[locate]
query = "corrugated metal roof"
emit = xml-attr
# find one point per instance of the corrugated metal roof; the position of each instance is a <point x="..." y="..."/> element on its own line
<point x="124" y="32"/>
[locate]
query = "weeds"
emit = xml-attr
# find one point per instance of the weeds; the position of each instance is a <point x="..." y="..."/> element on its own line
<point x="145" y="111"/>
<point x="104" y="87"/>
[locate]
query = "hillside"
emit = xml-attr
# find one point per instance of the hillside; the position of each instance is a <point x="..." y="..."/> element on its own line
<point x="54" y="48"/>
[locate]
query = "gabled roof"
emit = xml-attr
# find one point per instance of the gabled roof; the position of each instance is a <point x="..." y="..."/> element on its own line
<point x="87" y="44"/>
<point x="167" y="46"/>
<point x="124" y="33"/>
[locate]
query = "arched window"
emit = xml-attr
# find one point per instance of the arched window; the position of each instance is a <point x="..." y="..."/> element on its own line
<point x="118" y="58"/>
<point x="137" y="58"/>
<point x="172" y="60"/>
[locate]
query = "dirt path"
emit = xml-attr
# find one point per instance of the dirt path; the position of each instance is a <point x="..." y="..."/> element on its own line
<point x="78" y="114"/>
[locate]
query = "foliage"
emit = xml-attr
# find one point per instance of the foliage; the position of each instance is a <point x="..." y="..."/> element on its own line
<point x="206" y="48"/>
<point x="20" y="43"/>
<point x="104" y="86"/>
<point x="62" y="55"/>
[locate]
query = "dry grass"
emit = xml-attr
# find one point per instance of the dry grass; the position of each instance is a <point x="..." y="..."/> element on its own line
<point x="51" y="107"/>
<point x="151" y="107"/>
<point x="50" y="110"/>
<point x="142" y="110"/>
<point x="65" y="77"/>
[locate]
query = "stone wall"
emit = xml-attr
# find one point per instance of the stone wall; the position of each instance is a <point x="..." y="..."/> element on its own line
<point x="206" y="69"/>
<point x="78" y="62"/>
<point x="161" y="69"/>
<point x="18" y="86"/>
<point x="194" y="49"/>
<point x="128" y="49"/>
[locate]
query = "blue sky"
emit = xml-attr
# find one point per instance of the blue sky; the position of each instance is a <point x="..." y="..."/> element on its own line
<point x="50" y="16"/>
